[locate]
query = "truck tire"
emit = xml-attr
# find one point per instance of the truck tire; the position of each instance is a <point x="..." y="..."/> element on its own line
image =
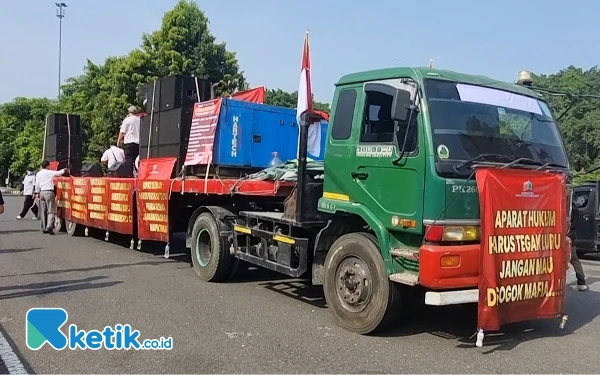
<point x="59" y="224"/>
<point x="211" y="258"/>
<point x="357" y="289"/>
<point x="73" y="229"/>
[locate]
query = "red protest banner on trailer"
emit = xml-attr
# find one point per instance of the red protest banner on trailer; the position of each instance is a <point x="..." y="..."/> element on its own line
<point x="153" y="186"/>
<point x="119" y="198"/>
<point x="524" y="252"/>
<point x="79" y="201"/>
<point x="63" y="197"/>
<point x="97" y="203"/>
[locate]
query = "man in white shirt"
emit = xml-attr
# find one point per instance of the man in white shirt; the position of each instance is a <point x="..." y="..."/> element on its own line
<point x="28" y="190"/>
<point x="129" y="135"/>
<point x="44" y="188"/>
<point x="113" y="156"/>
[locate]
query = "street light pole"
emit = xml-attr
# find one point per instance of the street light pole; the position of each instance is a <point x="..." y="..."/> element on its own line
<point x="60" y="13"/>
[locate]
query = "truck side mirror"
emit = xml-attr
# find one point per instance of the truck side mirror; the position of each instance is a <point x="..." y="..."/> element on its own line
<point x="401" y="104"/>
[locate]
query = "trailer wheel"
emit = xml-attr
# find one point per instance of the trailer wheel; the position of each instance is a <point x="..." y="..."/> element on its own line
<point x="357" y="289"/>
<point x="59" y="224"/>
<point x="210" y="257"/>
<point x="73" y="229"/>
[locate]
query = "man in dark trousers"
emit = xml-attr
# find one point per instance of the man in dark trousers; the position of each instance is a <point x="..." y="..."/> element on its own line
<point x="575" y="262"/>
<point x="129" y="135"/>
<point x="1" y="203"/>
<point x="28" y="193"/>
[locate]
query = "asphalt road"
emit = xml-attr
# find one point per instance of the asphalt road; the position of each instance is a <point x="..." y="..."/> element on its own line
<point x="265" y="324"/>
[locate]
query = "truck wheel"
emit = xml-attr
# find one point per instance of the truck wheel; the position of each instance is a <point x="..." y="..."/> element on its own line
<point x="210" y="257"/>
<point x="73" y="229"/>
<point x="357" y="288"/>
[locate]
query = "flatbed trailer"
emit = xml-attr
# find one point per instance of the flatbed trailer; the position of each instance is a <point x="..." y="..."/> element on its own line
<point x="392" y="213"/>
<point x="153" y="208"/>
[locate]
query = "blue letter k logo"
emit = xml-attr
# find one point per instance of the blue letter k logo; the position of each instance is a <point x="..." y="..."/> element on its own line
<point x="43" y="324"/>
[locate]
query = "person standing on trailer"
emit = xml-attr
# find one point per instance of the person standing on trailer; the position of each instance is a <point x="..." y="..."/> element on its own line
<point x="28" y="193"/>
<point x="44" y="188"/>
<point x="129" y="135"/>
<point x="113" y="156"/>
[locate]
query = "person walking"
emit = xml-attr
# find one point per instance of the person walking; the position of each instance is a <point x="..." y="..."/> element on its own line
<point x="129" y="135"/>
<point x="28" y="193"/>
<point x="44" y="189"/>
<point x="1" y="203"/>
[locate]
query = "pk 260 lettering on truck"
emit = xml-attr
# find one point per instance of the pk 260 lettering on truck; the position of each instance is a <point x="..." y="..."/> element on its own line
<point x="391" y="214"/>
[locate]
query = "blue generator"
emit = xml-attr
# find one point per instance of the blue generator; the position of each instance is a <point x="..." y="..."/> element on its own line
<point x="249" y="133"/>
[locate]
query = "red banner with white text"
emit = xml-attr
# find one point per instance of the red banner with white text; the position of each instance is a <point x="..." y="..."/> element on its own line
<point x="153" y="188"/>
<point x="63" y="197"/>
<point x="524" y="252"/>
<point x="79" y="201"/>
<point x="119" y="200"/>
<point x="202" y="132"/>
<point x="96" y="203"/>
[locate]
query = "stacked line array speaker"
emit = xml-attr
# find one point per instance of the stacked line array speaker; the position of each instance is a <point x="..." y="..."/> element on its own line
<point x="61" y="123"/>
<point x="165" y="133"/>
<point x="57" y="141"/>
<point x="174" y="92"/>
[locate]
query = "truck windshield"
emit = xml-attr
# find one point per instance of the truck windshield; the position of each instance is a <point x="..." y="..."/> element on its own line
<point x="468" y="121"/>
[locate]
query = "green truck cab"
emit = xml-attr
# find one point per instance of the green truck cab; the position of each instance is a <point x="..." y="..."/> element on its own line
<point x="399" y="161"/>
<point x="396" y="215"/>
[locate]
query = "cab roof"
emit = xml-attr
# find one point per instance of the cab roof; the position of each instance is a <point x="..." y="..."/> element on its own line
<point x="390" y="73"/>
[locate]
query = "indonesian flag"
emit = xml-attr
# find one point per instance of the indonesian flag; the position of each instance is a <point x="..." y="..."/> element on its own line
<point x="305" y="103"/>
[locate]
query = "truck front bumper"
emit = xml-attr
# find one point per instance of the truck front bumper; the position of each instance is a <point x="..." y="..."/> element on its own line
<point x="459" y="297"/>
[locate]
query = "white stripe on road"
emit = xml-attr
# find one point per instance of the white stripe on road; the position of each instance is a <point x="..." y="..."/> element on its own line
<point x="10" y="359"/>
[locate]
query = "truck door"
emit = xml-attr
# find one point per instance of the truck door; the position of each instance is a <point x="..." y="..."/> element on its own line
<point x="584" y="216"/>
<point x="363" y="164"/>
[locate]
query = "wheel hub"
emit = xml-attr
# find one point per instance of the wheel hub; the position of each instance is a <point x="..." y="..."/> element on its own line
<point x="353" y="284"/>
<point x="203" y="252"/>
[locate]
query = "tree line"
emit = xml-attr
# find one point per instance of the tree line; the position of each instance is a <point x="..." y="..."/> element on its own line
<point x="185" y="45"/>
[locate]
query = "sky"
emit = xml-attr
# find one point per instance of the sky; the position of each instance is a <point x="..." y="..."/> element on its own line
<point x="492" y="38"/>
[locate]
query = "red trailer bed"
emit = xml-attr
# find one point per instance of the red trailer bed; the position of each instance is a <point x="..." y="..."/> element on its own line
<point x="140" y="207"/>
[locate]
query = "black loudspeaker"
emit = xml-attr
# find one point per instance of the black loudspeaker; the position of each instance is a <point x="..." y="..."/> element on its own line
<point x="56" y="123"/>
<point x="57" y="149"/>
<point x="177" y="92"/>
<point x="92" y="170"/>
<point x="148" y="93"/>
<point x="121" y="170"/>
<point x="169" y="132"/>
<point x="173" y="92"/>
<point x="57" y="146"/>
<point x="174" y="126"/>
<point x="146" y="127"/>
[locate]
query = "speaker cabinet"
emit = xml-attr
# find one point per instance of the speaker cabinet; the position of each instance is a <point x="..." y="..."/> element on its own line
<point x="148" y="93"/>
<point x="92" y="170"/>
<point x="60" y="123"/>
<point x="177" y="92"/>
<point x="57" y="146"/>
<point x="121" y="170"/>
<point x="167" y="128"/>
